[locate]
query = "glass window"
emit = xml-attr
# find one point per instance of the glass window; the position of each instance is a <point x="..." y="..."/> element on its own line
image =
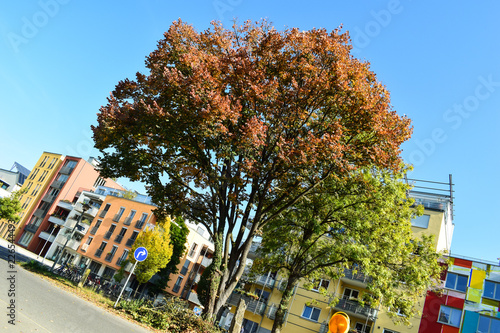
<point x="421" y="221"/>
<point x="311" y="313"/>
<point x="177" y="285"/>
<point x="456" y="281"/>
<point x="491" y="290"/>
<point x="350" y="293"/>
<point x="185" y="267"/>
<point x="362" y="328"/>
<point x="321" y="284"/>
<point x="192" y="251"/>
<point x="488" y="325"/>
<point x="389" y="331"/>
<point x="249" y="326"/>
<point x="449" y="316"/>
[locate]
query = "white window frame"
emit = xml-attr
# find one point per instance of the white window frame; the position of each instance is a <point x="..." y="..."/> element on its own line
<point x="350" y="294"/>
<point x="386" y="330"/>
<point x="421" y="221"/>
<point x="453" y="311"/>
<point x="313" y="308"/>
<point x="192" y="251"/>
<point x="319" y="284"/>
<point x="363" y="327"/>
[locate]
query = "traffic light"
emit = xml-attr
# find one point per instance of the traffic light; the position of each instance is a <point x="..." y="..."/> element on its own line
<point x="339" y="323"/>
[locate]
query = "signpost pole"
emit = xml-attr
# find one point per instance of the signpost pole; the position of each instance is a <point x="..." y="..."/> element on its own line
<point x="128" y="278"/>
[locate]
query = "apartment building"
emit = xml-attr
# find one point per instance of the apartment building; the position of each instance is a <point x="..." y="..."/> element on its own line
<point x="12" y="180"/>
<point x="470" y="301"/>
<point x="53" y="185"/>
<point x="198" y="256"/>
<point x="35" y="185"/>
<point x="309" y="311"/>
<point x="113" y="231"/>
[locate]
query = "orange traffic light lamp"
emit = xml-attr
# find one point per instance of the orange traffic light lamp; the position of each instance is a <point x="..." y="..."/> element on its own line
<point x="339" y="323"/>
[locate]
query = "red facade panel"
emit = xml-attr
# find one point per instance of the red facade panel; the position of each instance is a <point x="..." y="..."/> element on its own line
<point x="430" y="314"/>
<point x="462" y="263"/>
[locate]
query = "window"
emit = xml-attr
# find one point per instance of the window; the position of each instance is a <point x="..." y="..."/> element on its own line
<point x="119" y="237"/>
<point x="456" y="281"/>
<point x="362" y="328"/>
<point x="311" y="313"/>
<point x="26" y="203"/>
<point x="449" y="316"/>
<point x="192" y="251"/>
<point x="111" y="253"/>
<point x="118" y="216"/>
<point x="185" y="267"/>
<point x="42" y="163"/>
<point x="35" y="190"/>
<point x="42" y="177"/>
<point x="249" y="326"/>
<point x="100" y="249"/>
<point x="140" y="223"/>
<point x="488" y="325"/>
<point x="389" y="331"/>
<point x="96" y="227"/>
<point x="105" y="210"/>
<point x="51" y="165"/>
<point x="491" y="290"/>
<point x="321" y="284"/>
<point x="110" y="231"/>
<point x="421" y="221"/>
<point x="89" y="240"/>
<point x="350" y="293"/>
<point x="177" y="285"/>
<point x="26" y="238"/>
<point x="122" y="258"/>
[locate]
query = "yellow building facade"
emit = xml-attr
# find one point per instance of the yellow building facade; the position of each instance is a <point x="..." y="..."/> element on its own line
<point x="309" y="311"/>
<point x="35" y="186"/>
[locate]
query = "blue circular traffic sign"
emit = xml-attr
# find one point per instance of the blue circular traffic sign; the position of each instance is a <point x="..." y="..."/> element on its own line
<point x="140" y="254"/>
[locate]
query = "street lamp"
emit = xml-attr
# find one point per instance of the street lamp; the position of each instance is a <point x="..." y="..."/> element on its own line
<point x="85" y="207"/>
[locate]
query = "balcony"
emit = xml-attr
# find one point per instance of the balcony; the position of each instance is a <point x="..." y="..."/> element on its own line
<point x="85" y="247"/>
<point x="40" y="213"/>
<point x="57" y="219"/>
<point x="352" y="307"/>
<point x="81" y="228"/>
<point x="139" y="224"/>
<point x="57" y="184"/>
<point x="356" y="277"/>
<point x="72" y="244"/>
<point x="65" y="205"/>
<point x="66" y="170"/>
<point x="118" y="239"/>
<point x="117" y="217"/>
<point x="46" y="235"/>
<point x="205" y="262"/>
<point x="252" y="254"/>
<point x="127" y="221"/>
<point x="92" y="211"/>
<point x="31" y="227"/>
<point x="49" y="198"/>
<point x="271" y="311"/>
<point x="109" y="256"/>
<point x="265" y="280"/>
<point x="254" y="306"/>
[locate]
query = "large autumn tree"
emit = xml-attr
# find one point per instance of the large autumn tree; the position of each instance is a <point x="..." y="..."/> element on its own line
<point x="228" y="127"/>
<point x="361" y="221"/>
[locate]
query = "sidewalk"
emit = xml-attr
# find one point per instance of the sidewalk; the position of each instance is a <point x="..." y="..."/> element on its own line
<point x="23" y="252"/>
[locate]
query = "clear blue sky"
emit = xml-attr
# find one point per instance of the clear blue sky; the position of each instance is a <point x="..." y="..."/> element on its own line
<point x="440" y="61"/>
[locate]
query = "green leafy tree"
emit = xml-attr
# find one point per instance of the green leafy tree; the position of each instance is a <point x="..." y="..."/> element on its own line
<point x="231" y="127"/>
<point x="129" y="194"/>
<point x="178" y="238"/>
<point x="157" y="241"/>
<point x="10" y="207"/>
<point x="361" y="222"/>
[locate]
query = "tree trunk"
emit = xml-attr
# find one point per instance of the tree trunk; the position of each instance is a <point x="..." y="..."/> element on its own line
<point x="279" y="318"/>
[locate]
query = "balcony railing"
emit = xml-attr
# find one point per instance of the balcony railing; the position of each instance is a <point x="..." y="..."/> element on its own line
<point x="265" y="280"/>
<point x="94" y="230"/>
<point x="117" y="217"/>
<point x="46" y="235"/>
<point x="98" y="253"/>
<point x="72" y="244"/>
<point x="31" y="227"/>
<point x="356" y="275"/>
<point x="139" y="224"/>
<point x="66" y="170"/>
<point x="127" y="221"/>
<point x="49" y="198"/>
<point x="120" y="260"/>
<point x="354" y="307"/>
<point x="65" y="205"/>
<point x="118" y="239"/>
<point x="254" y="306"/>
<point x="271" y="312"/>
<point x="40" y="213"/>
<point x="57" y="184"/>
<point x="130" y="242"/>
<point x="56" y="219"/>
<point x="108" y="234"/>
<point x="205" y="262"/>
<point x="109" y="257"/>
<point x="103" y="213"/>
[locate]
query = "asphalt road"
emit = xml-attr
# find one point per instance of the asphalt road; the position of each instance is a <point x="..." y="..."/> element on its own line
<point x="31" y="304"/>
